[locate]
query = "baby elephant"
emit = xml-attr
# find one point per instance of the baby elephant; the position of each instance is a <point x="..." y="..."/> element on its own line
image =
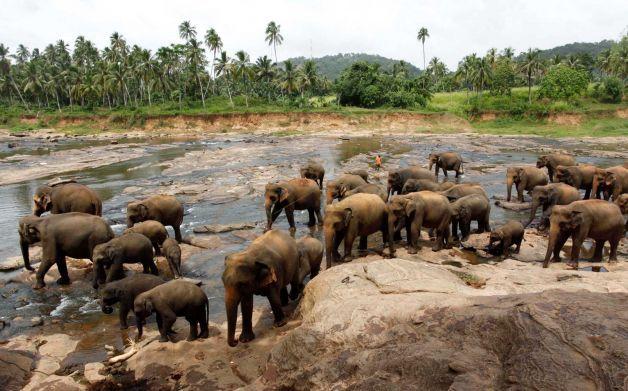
<point x="172" y="252"/>
<point x="171" y="300"/>
<point x="310" y="253"/>
<point x="153" y="230"/>
<point x="503" y="237"/>
<point x="125" y="291"/>
<point x="128" y="248"/>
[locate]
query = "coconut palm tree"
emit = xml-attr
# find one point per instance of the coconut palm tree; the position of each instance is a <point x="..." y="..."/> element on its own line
<point x="196" y="59"/>
<point x="422" y="35"/>
<point x="224" y="68"/>
<point x="481" y="74"/>
<point x="289" y="78"/>
<point x="307" y="77"/>
<point x="242" y="70"/>
<point x="187" y="31"/>
<point x="273" y="36"/>
<point x="508" y="53"/>
<point x="530" y="66"/>
<point x="214" y="43"/>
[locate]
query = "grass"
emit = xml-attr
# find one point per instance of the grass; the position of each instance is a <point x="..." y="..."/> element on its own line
<point x="592" y="127"/>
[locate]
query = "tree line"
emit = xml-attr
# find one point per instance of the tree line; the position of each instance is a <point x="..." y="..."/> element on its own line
<point x="197" y="68"/>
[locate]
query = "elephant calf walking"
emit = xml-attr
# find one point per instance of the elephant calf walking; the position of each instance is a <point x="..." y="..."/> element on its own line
<point x="163" y="208"/>
<point x="295" y="194"/>
<point x="466" y="209"/>
<point x="446" y="161"/>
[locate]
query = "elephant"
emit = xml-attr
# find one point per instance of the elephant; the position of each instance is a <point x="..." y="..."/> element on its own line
<point x="346" y="181"/>
<point x="622" y="202"/>
<point x="446" y="161"/>
<point x="310" y="252"/>
<point x="128" y="248"/>
<point x="361" y="173"/>
<point x="153" y="230"/>
<point x="314" y="171"/>
<point x="598" y="187"/>
<point x="398" y="178"/>
<point x="125" y="291"/>
<point x="72" y="234"/>
<point x="505" y="236"/>
<point x="414" y="185"/>
<point x="417" y="210"/>
<point x="163" y="208"/>
<point x="170" y="300"/>
<point x="172" y="252"/>
<point x="359" y="215"/>
<point x="580" y="177"/>
<point x="468" y="208"/>
<point x="524" y="178"/>
<point x="553" y="160"/>
<point x="295" y="194"/>
<point x="66" y="197"/>
<point x="549" y="195"/>
<point x="597" y="219"/>
<point x="369" y="188"/>
<point x="266" y="267"/>
<point x="615" y="182"/>
<point x="463" y="189"/>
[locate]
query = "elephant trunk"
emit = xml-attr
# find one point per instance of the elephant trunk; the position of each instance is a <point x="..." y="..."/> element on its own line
<point x="107" y="309"/>
<point x="139" y="319"/>
<point x="553" y="238"/>
<point x="269" y="214"/>
<point x="330" y="238"/>
<point x="99" y="271"/>
<point x="129" y="222"/>
<point x="509" y="183"/>
<point x="25" y="256"/>
<point x="391" y="234"/>
<point x="330" y="196"/>
<point x="232" y="300"/>
<point x="535" y="206"/>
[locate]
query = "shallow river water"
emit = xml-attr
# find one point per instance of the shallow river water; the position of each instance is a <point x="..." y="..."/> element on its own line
<point x="75" y="310"/>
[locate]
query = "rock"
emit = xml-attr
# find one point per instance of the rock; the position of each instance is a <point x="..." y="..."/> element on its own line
<point x="92" y="372"/>
<point x="15" y="368"/>
<point x="114" y="142"/>
<point x="37" y="321"/>
<point x="220" y="228"/>
<point x="210" y="242"/>
<point x="11" y="145"/>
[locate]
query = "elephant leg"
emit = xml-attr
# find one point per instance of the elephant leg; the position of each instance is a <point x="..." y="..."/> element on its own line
<point x="587" y="193"/>
<point x="167" y="320"/>
<point x="506" y="246"/>
<point x="560" y="242"/>
<point x="444" y="171"/>
<point x="349" y="239"/>
<point x="177" y="233"/>
<point x="312" y="221"/>
<point x="614" y="242"/>
<point x="520" y="189"/>
<point x="363" y="243"/>
<point x="599" y="250"/>
<point x="63" y="270"/>
<point x="113" y="272"/>
<point x="413" y="237"/>
<point x="43" y="268"/>
<point x="337" y="240"/>
<point x="457" y="169"/>
<point x="122" y="315"/>
<point x="193" y="328"/>
<point x="202" y="323"/>
<point x="246" y="306"/>
<point x="153" y="268"/>
<point x="319" y="218"/>
<point x="518" y="244"/>
<point x="577" y="241"/>
<point x="275" y="304"/>
<point x="290" y="217"/>
<point x="454" y="228"/>
<point x="283" y="296"/>
<point x="550" y="173"/>
<point x="157" y="249"/>
<point x="465" y="227"/>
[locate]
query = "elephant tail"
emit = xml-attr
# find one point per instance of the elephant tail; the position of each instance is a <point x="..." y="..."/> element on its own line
<point x="207" y="310"/>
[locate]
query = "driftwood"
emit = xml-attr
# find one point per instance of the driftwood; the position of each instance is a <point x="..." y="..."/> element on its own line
<point x="220" y="228"/>
<point x="516" y="206"/>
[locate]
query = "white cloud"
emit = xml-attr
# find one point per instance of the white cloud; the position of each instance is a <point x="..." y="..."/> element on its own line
<point x="385" y="27"/>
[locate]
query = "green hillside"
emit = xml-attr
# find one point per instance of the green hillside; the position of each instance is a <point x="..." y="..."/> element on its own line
<point x="591" y="48"/>
<point x="331" y="66"/>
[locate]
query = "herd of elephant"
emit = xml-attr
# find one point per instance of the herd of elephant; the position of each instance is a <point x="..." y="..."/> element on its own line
<point x="413" y="199"/>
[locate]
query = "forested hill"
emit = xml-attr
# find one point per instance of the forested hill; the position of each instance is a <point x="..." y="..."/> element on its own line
<point x="331" y="66"/>
<point x="591" y="48"/>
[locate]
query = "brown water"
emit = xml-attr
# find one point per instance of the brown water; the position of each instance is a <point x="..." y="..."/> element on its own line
<point x="75" y="309"/>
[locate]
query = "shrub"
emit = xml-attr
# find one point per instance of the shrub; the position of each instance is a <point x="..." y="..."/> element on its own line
<point x="503" y="79"/>
<point x="563" y="83"/>
<point x="613" y="89"/>
<point x="402" y="99"/>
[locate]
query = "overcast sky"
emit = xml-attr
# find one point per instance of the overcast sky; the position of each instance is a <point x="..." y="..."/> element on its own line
<point x="384" y="27"/>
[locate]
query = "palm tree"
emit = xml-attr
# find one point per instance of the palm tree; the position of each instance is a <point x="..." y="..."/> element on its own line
<point x="491" y="57"/>
<point x="289" y="80"/>
<point x="187" y="31"/>
<point x="530" y="66"/>
<point x="214" y="43"/>
<point x="308" y="76"/>
<point x="508" y="53"/>
<point x="573" y="62"/>
<point x="273" y="36"/>
<point x="481" y="74"/>
<point x="422" y="35"/>
<point x="196" y="58"/>
<point x="242" y="70"/>
<point x="224" y="68"/>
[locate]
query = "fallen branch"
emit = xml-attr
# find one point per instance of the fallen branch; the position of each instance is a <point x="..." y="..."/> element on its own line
<point x="124" y="356"/>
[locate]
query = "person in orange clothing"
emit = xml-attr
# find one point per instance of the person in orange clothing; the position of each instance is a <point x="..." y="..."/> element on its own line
<point x="378" y="162"/>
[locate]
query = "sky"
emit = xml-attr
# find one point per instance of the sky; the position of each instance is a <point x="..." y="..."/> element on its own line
<point x="316" y="28"/>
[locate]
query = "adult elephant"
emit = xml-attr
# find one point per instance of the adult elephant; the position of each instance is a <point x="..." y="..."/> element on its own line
<point x="346" y="182"/>
<point x="600" y="220"/>
<point x="163" y="208"/>
<point x="314" y="171"/>
<point x="295" y="194"/>
<point x="598" y="187"/>
<point x="369" y="188"/>
<point x="548" y="196"/>
<point x="398" y="178"/>
<point x="414" y="185"/>
<point x="462" y="190"/>
<point x="446" y="161"/>
<point x="553" y="160"/>
<point x="357" y="216"/>
<point x="66" y="197"/>
<point x="361" y="173"/>
<point x="466" y="209"/>
<point x="615" y="182"/>
<point x="417" y="210"/>
<point x="525" y="179"/>
<point x="266" y="267"/>
<point x="580" y="177"/>
<point x="69" y="234"/>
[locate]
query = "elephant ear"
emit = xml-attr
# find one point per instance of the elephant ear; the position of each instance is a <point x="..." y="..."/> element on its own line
<point x="552" y="196"/>
<point x="521" y="173"/>
<point x="348" y="216"/>
<point x="112" y="253"/>
<point x="284" y="194"/>
<point x="464" y="212"/>
<point x="576" y="219"/>
<point x="265" y="275"/>
<point x="609" y="178"/>
<point x="143" y="209"/>
<point x="410" y="207"/>
<point x="44" y="201"/>
<point x="148" y="306"/>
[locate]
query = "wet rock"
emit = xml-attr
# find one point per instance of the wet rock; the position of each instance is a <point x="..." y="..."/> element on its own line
<point x="15" y="368"/>
<point x="11" y="145"/>
<point x="220" y="228"/>
<point x="92" y="372"/>
<point x="209" y="242"/>
<point x="37" y="321"/>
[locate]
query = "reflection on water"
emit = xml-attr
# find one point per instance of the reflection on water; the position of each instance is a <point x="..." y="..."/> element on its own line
<point x="349" y="148"/>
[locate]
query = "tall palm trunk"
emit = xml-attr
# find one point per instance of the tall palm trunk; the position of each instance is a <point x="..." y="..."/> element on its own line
<point x="200" y="86"/>
<point x="18" y="92"/>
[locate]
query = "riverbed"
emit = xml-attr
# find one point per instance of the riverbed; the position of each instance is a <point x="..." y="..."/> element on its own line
<point x="220" y="179"/>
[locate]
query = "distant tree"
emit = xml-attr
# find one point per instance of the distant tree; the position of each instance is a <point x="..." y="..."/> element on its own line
<point x="563" y="82"/>
<point x="422" y="35"/>
<point x="224" y="68"/>
<point x="307" y="77"/>
<point x="273" y="36"/>
<point x="289" y="78"/>
<point x="508" y="53"/>
<point x="503" y="78"/>
<point x="214" y="43"/>
<point x="530" y="67"/>
<point x="187" y="31"/>
<point x="481" y="74"/>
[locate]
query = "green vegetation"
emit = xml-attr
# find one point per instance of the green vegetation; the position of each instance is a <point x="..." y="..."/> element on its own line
<point x="563" y="83"/>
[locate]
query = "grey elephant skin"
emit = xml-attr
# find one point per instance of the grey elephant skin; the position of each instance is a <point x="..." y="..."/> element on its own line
<point x="266" y="268"/>
<point x="369" y="188"/>
<point x="153" y="230"/>
<point x="580" y="177"/>
<point x="398" y="178"/>
<point x="69" y="234"/>
<point x="170" y="300"/>
<point x="474" y="207"/>
<point x="163" y="208"/>
<point x="414" y="185"/>
<point x="295" y="194"/>
<point x="172" y="252"/>
<point x="505" y="236"/>
<point x="446" y="161"/>
<point x="125" y="291"/>
<point x="553" y="160"/>
<point x="525" y="179"/>
<point x="128" y="248"/>
<point x="346" y="182"/>
<point x="311" y="252"/>
<point x="314" y="171"/>
<point x="548" y="196"/>
<point x="65" y="198"/>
